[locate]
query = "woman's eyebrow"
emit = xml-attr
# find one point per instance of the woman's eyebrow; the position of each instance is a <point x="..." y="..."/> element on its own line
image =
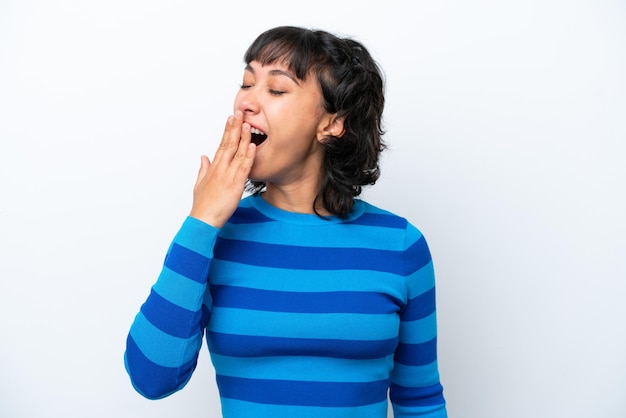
<point x="276" y="72"/>
<point x="286" y="74"/>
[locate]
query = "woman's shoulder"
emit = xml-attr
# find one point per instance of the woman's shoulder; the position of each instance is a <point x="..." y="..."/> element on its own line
<point x="377" y="216"/>
<point x="385" y="216"/>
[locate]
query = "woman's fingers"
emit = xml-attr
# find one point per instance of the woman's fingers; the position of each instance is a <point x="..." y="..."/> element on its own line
<point x="244" y="157"/>
<point x="230" y="139"/>
<point x="220" y="184"/>
<point x="204" y="166"/>
<point x="233" y="155"/>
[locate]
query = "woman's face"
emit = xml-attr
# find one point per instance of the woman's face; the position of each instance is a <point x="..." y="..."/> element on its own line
<point x="287" y="119"/>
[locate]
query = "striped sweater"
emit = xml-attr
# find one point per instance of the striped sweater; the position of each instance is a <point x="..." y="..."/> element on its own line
<point x="303" y="316"/>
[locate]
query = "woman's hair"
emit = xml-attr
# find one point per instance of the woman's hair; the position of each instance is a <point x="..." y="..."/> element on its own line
<point x="352" y="87"/>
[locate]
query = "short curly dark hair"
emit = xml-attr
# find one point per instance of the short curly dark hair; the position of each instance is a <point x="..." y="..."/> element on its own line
<point x="352" y="86"/>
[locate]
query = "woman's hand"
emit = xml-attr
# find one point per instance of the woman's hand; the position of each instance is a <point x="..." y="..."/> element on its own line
<point x="220" y="184"/>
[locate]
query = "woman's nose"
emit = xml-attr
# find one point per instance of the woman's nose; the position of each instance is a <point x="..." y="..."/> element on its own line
<point x="248" y="101"/>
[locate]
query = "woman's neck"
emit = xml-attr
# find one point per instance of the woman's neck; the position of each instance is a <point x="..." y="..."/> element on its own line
<point x="294" y="198"/>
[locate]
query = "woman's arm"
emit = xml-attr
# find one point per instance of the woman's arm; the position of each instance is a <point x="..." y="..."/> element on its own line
<point x="166" y="335"/>
<point x="165" y="338"/>
<point x="416" y="390"/>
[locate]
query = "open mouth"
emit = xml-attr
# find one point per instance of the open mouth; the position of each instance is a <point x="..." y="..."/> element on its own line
<point x="257" y="136"/>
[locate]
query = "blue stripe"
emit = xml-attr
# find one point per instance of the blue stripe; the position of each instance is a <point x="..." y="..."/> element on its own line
<point x="261" y="346"/>
<point x="240" y="409"/>
<point x="167" y="317"/>
<point x="417" y="256"/>
<point x="412" y="376"/>
<point x="420" y="306"/>
<point x="162" y="348"/>
<point x="248" y="215"/>
<point x="197" y="236"/>
<point x="417" y="354"/>
<point x="339" y="326"/>
<point x="143" y="372"/>
<point x="416" y="397"/>
<point x="419" y="331"/>
<point x="380" y="220"/>
<point x="310" y="368"/>
<point x="176" y="288"/>
<point x="303" y="302"/>
<point x="323" y="258"/>
<point x="420" y="281"/>
<point x="341" y="236"/>
<point x="291" y="392"/>
<point x="315" y="280"/>
<point x="188" y="263"/>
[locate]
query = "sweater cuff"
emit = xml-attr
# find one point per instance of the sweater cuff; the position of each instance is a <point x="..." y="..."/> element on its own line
<point x="197" y="236"/>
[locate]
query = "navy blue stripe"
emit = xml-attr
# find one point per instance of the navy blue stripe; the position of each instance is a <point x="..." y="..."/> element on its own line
<point x="415" y="397"/>
<point x="206" y="315"/>
<point x="260" y="346"/>
<point x="323" y="258"/>
<point x="248" y="216"/>
<point x="420" y="306"/>
<point x="417" y="354"/>
<point x="187" y="263"/>
<point x="417" y="256"/>
<point x="380" y="220"/>
<point x="167" y="317"/>
<point x="303" y="302"/>
<point x="150" y="379"/>
<point x="291" y="392"/>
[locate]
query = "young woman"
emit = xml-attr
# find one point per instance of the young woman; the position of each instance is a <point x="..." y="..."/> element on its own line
<point x="314" y="303"/>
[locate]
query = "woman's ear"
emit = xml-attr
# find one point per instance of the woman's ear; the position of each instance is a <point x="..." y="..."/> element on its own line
<point x="331" y="125"/>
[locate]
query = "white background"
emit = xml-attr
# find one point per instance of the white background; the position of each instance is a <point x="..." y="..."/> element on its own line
<point x="506" y="125"/>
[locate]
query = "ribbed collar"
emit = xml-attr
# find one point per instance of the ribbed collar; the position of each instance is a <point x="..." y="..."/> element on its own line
<point x="259" y="203"/>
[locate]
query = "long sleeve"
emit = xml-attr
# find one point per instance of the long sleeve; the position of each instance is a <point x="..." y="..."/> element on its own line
<point x="415" y="389"/>
<point x="166" y="335"/>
